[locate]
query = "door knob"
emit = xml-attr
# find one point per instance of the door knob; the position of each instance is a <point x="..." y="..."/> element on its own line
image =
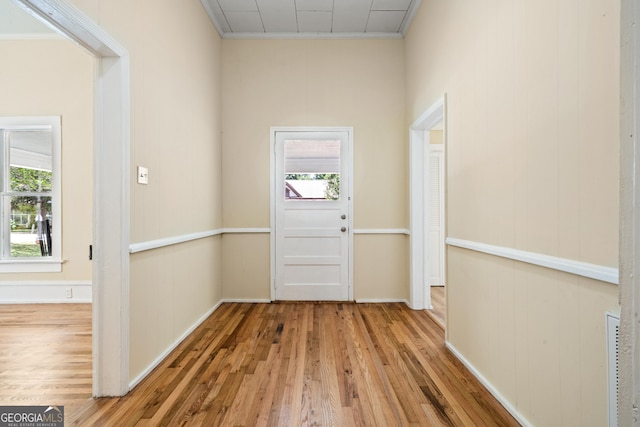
<point x="343" y="216"/>
<point x="343" y="229"/>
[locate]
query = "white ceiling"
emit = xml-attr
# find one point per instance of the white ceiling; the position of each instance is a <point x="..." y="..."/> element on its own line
<point x="269" y="18"/>
<point x="311" y="18"/>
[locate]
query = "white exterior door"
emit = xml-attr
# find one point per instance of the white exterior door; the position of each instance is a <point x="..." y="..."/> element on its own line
<point x="312" y="215"/>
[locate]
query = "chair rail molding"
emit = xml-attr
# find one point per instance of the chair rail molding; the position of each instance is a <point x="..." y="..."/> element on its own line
<point x="592" y="271"/>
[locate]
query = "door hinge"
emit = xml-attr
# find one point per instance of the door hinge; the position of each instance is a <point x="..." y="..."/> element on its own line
<point x="90" y="252"/>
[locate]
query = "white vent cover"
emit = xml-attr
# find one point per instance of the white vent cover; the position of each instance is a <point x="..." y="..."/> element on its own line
<point x="613" y="328"/>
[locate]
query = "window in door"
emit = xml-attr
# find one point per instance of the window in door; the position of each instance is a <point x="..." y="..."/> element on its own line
<point x="312" y="169"/>
<point x="30" y="194"/>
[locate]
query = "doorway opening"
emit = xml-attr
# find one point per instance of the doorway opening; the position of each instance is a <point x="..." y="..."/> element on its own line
<point x="435" y="222"/>
<point x="427" y="210"/>
<point x="111" y="213"/>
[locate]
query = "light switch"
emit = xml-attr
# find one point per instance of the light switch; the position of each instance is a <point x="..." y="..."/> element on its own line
<point x="143" y="175"/>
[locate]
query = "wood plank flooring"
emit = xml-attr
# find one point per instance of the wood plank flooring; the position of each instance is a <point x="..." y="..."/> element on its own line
<point x="294" y="364"/>
<point x="45" y="354"/>
<point x="438" y="312"/>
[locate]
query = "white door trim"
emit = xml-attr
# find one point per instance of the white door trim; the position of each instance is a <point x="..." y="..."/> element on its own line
<point x="420" y="297"/>
<point x="629" y="229"/>
<point x="111" y="191"/>
<point x="272" y="159"/>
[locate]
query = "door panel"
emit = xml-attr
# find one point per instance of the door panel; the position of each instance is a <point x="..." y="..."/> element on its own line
<point x="312" y="210"/>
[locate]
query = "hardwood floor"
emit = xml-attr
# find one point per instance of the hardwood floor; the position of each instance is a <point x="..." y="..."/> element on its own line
<point x="438" y="312"/>
<point x="45" y="354"/>
<point x="292" y="364"/>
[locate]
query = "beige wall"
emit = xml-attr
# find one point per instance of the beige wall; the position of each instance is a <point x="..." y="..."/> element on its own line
<point x="247" y="267"/>
<point x="55" y="78"/>
<point x="436" y="137"/>
<point x="381" y="267"/>
<point x="176" y="133"/>
<point x="357" y="83"/>
<point x="171" y="289"/>
<point x="532" y="164"/>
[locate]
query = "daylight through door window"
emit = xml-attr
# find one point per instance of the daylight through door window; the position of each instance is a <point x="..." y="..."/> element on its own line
<point x="28" y="192"/>
<point x="312" y="169"/>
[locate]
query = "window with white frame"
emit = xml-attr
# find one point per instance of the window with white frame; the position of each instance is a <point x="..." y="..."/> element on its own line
<point x="30" y="194"/>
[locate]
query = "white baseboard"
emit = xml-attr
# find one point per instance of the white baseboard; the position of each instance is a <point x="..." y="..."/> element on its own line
<point x="380" y="300"/>
<point x="499" y="397"/>
<point x="357" y="301"/>
<point x="247" y="300"/>
<point x="172" y="347"/>
<point x="45" y="292"/>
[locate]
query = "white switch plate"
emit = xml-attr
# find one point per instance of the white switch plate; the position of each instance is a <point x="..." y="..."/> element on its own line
<point x="143" y="175"/>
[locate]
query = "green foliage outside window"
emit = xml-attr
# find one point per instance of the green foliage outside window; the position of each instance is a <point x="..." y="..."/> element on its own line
<point x="23" y="179"/>
<point x="331" y="192"/>
<point x="29" y="180"/>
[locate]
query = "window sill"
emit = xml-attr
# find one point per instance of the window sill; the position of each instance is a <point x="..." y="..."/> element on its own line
<point x="30" y="266"/>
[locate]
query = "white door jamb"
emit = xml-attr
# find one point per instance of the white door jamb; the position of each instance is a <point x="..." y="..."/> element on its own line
<point x="111" y="191"/>
<point x="420" y="297"/>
